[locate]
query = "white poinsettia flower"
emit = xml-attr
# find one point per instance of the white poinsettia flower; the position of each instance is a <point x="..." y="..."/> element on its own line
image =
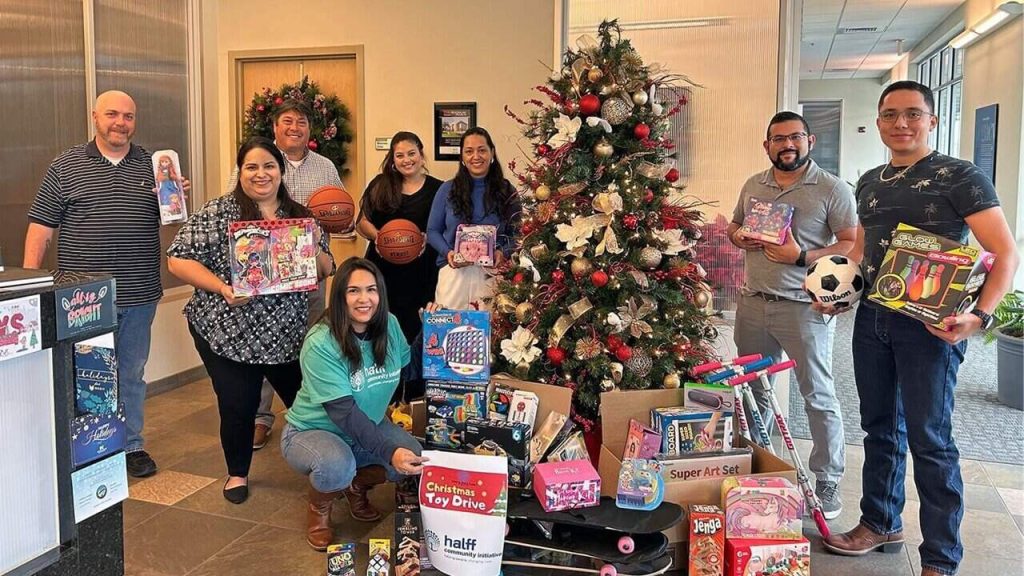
<point x="674" y="240"/>
<point x="567" y="129"/>
<point x="520" y="347"/>
<point x="576" y="234"/>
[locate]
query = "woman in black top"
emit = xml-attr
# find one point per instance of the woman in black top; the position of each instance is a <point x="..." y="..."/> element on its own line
<point x="403" y="189"/>
<point x="243" y="340"/>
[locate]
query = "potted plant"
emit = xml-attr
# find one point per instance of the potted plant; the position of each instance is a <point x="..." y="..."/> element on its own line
<point x="1008" y="330"/>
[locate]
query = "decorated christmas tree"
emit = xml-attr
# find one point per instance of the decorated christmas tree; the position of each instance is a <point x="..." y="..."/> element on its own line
<point x="603" y="291"/>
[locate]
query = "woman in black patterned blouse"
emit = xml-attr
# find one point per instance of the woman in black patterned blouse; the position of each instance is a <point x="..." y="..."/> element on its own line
<point x="241" y="340"/>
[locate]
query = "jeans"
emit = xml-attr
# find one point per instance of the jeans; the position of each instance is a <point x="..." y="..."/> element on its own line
<point x="770" y="328"/>
<point x="330" y="462"/>
<point x="132" y="348"/>
<point x="905" y="379"/>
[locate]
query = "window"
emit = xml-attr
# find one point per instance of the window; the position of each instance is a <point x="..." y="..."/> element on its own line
<point x="943" y="72"/>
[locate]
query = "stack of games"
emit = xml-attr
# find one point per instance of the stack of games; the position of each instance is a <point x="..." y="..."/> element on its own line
<point x="929" y="277"/>
<point x="766" y="220"/>
<point x="273" y="256"/>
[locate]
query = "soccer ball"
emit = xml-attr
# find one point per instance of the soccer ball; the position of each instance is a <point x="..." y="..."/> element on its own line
<point x="834" y="281"/>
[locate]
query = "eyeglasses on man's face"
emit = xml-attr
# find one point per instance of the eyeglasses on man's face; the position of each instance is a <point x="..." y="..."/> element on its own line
<point x="795" y="138"/>
<point x="911" y="115"/>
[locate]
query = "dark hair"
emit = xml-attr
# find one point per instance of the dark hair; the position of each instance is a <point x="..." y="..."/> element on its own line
<point x="929" y="97"/>
<point x="499" y="195"/>
<point x="785" y="116"/>
<point x="384" y="193"/>
<point x="296" y="106"/>
<point x="248" y="209"/>
<point x="337" y="319"/>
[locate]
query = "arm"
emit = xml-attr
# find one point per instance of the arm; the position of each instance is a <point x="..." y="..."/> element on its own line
<point x="195" y="274"/>
<point x="344" y="413"/>
<point x="789" y="252"/>
<point x="365" y="228"/>
<point x="37" y="241"/>
<point x="436" y="221"/>
<point x="324" y="257"/>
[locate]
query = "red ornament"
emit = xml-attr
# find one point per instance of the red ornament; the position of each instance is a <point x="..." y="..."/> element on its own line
<point x="648" y="196"/>
<point x="527" y="228"/>
<point x="278" y="101"/>
<point x="672" y="175"/>
<point x="570" y="107"/>
<point x="261" y="108"/>
<point x="682" y="347"/>
<point x="630" y="221"/>
<point x="555" y="355"/>
<point x="624" y="353"/>
<point x="599" y="278"/>
<point x="590" y="105"/>
<point x="518" y="278"/>
<point x="313" y="145"/>
<point x="614" y="342"/>
<point x="543" y="149"/>
<point x="558" y="276"/>
<point x="641" y="131"/>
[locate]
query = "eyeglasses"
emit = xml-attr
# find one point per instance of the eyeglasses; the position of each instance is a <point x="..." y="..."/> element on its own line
<point x="796" y="138"/>
<point x="912" y="116"/>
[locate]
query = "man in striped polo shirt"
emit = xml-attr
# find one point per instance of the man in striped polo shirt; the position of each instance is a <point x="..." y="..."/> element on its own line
<point x="101" y="195"/>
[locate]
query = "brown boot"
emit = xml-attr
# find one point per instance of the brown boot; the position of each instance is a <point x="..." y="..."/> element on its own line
<point x="318" y="518"/>
<point x="357" y="494"/>
<point x="861" y="540"/>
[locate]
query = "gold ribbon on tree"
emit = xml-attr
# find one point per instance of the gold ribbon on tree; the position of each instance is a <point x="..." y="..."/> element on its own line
<point x="630" y="316"/>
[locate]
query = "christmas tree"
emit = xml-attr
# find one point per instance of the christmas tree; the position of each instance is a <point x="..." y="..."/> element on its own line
<point x="603" y="291"/>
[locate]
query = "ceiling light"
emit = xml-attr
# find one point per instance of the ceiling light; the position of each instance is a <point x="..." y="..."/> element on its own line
<point x="1004" y="12"/>
<point x="964" y="38"/>
<point x="993" y="20"/>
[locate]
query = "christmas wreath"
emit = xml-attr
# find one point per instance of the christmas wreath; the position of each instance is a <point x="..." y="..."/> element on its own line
<point x="329" y="127"/>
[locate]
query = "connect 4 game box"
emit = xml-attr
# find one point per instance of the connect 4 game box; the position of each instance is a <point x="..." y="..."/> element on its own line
<point x="456" y="345"/>
<point x="929" y="277"/>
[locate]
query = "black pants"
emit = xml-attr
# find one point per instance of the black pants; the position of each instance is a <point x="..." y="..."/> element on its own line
<point x="237" y="386"/>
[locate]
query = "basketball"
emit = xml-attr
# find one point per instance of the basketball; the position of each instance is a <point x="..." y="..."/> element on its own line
<point x="333" y="208"/>
<point x="399" y="241"/>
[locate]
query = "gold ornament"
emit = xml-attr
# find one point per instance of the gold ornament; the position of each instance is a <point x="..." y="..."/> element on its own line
<point x="539" y="251"/>
<point x="523" y="311"/>
<point x="616" y="110"/>
<point x="650" y="258"/>
<point x="639" y="97"/>
<point x="603" y="148"/>
<point x="542" y="192"/>
<point x="607" y="385"/>
<point x="587" y="348"/>
<point x="671" y="380"/>
<point x="522" y="370"/>
<point x="504" y="304"/>
<point x="616" y="370"/>
<point x="702" y="299"/>
<point x="595" y="74"/>
<point x="580" y="267"/>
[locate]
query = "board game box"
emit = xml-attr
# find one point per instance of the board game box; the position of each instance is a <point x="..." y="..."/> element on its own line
<point x="766" y="220"/>
<point x="456" y="345"/>
<point x="273" y="256"/>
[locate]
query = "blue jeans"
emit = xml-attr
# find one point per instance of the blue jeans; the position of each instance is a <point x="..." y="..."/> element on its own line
<point x="330" y="462"/>
<point x="905" y="379"/>
<point x="132" y="348"/>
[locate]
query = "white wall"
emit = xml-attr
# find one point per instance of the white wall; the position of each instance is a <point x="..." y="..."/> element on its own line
<point x="171" y="351"/>
<point x="860" y="152"/>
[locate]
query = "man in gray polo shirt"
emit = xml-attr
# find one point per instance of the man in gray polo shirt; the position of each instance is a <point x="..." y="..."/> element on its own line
<point x="774" y="314"/>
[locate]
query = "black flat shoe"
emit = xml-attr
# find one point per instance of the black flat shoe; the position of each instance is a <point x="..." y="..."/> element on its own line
<point x="236" y="495"/>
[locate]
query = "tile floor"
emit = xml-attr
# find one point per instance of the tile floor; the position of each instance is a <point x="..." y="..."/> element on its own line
<point x="177" y="523"/>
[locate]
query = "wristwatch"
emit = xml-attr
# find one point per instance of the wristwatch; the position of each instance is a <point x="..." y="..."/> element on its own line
<point x="801" y="260"/>
<point x="986" y="319"/>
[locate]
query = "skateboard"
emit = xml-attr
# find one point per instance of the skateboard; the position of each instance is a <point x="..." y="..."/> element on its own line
<point x="564" y="562"/>
<point x="606" y="515"/>
<point x="585" y="541"/>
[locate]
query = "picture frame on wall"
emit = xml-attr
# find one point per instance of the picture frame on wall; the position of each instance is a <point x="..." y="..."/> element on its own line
<point x="451" y="120"/>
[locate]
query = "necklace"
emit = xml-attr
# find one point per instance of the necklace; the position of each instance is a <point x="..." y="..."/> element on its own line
<point x="898" y="175"/>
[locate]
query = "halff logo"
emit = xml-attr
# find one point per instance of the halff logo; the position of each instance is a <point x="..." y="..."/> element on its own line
<point x="460" y="544"/>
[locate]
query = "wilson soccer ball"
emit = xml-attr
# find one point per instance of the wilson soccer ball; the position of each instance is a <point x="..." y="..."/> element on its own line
<point x="834" y="281"/>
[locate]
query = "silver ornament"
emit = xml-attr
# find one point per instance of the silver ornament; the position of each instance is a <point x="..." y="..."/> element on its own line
<point x="616" y="110"/>
<point x="650" y="258"/>
<point x="639" y="365"/>
<point x="639" y="97"/>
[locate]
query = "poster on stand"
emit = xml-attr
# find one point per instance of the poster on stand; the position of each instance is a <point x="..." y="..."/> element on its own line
<point x="100" y="486"/>
<point x="96" y="436"/>
<point x="20" y="332"/>
<point x="96" y="376"/>
<point x="85" y="308"/>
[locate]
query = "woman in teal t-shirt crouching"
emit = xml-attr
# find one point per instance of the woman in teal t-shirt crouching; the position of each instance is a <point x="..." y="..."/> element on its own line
<point x="337" y="432"/>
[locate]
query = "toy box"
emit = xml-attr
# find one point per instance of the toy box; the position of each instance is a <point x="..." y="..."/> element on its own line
<point x="641" y="441"/>
<point x="684" y="431"/>
<point x="766" y="220"/>
<point x="640" y="485"/>
<point x="474" y="243"/>
<point x="497" y="438"/>
<point x="707" y="540"/>
<point x="556" y="427"/>
<point x="499" y="401"/>
<point x="410" y="556"/>
<point x="170" y="194"/>
<point x="341" y="559"/>
<point x="380" y="557"/>
<point x="700" y="396"/>
<point x="456" y="345"/>
<point x="449" y="406"/>
<point x="273" y="256"/>
<point x="744" y="557"/>
<point x="706" y="465"/>
<point x="572" y="447"/>
<point x="566" y="485"/>
<point x="523" y="407"/>
<point x="767" y="508"/>
<point x="929" y="277"/>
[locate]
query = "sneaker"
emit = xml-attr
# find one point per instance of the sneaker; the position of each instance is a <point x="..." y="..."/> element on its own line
<point x="828" y="493"/>
<point x="261" y="436"/>
<point x="140" y="465"/>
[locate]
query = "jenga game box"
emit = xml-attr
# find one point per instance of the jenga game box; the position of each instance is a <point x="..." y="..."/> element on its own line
<point x="707" y="540"/>
<point x="929" y="277"/>
<point x="745" y="557"/>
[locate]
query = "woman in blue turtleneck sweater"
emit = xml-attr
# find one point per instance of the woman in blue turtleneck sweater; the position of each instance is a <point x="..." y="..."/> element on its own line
<point x="479" y="194"/>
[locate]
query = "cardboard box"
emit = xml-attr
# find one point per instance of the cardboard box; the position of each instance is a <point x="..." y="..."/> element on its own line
<point x="616" y="410"/>
<point x="929" y="277"/>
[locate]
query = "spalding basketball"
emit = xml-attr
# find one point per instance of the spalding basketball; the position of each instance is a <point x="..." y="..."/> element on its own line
<point x="333" y="208"/>
<point x="399" y="241"/>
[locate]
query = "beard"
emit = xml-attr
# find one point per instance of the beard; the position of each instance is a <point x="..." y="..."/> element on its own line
<point x="796" y="164"/>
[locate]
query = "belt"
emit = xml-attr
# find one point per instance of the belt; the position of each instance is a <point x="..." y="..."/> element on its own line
<point x="769" y="297"/>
